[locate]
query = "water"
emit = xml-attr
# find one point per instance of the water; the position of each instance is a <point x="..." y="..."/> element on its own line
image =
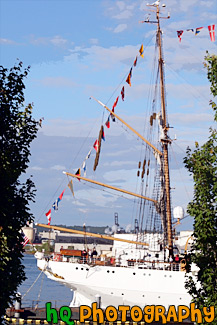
<point x="44" y="290"/>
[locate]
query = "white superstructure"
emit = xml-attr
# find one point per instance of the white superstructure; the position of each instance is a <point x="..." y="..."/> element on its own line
<point x="136" y="278"/>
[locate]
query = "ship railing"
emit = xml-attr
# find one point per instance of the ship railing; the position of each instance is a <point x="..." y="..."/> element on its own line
<point x="157" y="265"/>
<point x="140" y="263"/>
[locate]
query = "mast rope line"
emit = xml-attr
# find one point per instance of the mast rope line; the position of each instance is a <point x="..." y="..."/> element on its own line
<point x="70" y="166"/>
<point x="32" y="284"/>
<point x="128" y="73"/>
<point x="111" y="187"/>
<point x="174" y="156"/>
<point x="199" y="96"/>
<point x="132" y="129"/>
<point x="39" y="294"/>
<point x="136" y="201"/>
<point x="93" y="125"/>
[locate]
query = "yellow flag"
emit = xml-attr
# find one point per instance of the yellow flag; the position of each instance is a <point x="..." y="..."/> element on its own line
<point x="70" y="185"/>
<point x="141" y="51"/>
<point x="128" y="80"/>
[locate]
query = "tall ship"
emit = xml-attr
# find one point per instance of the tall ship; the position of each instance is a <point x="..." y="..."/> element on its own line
<point x="145" y="267"/>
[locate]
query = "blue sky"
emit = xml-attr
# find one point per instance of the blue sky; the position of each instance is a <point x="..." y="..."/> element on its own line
<point x="77" y="49"/>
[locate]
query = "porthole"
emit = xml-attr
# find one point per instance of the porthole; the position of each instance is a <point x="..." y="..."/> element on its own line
<point x="165" y="276"/>
<point x="76" y="268"/>
<point x="113" y="271"/>
<point x="81" y="268"/>
<point x="134" y="273"/>
<point x="122" y="294"/>
<point x="108" y="271"/>
<point x="149" y="274"/>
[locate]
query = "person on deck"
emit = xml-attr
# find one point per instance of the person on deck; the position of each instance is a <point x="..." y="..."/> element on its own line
<point x="94" y="254"/>
<point x="177" y="262"/>
<point x="84" y="256"/>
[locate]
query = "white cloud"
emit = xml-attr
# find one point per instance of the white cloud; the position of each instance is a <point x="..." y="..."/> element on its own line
<point x="58" y="41"/>
<point x="6" y="41"/>
<point x="118" y="163"/>
<point x="58" y="167"/>
<point x="94" y="41"/>
<point x="120" y="28"/>
<point x="121" y="5"/>
<point x="191" y="119"/>
<point x="185" y="6"/>
<point x="208" y="4"/>
<point x="96" y="197"/>
<point x="126" y="14"/>
<point x="98" y="56"/>
<point x="56" y="82"/>
<point x="35" y="168"/>
<point x="83" y="210"/>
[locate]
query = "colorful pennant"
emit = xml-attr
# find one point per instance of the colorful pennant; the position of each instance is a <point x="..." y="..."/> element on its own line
<point x="141" y="51"/>
<point x="56" y="203"/>
<point x="78" y="173"/>
<point x="128" y="80"/>
<point x="179" y="33"/>
<point x="48" y="215"/>
<point x="112" y="116"/>
<point x="61" y="195"/>
<point x="122" y="93"/>
<point x="197" y="30"/>
<point x="107" y="123"/>
<point x="115" y="103"/>
<point x="96" y="145"/>
<point x="84" y="168"/>
<point x="88" y="155"/>
<point x="211" y="29"/>
<point x="70" y="185"/>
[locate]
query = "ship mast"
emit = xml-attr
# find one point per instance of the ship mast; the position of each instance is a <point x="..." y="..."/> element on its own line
<point x="165" y="141"/>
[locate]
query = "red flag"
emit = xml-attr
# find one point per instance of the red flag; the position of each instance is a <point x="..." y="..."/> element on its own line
<point x="212" y="32"/>
<point x="115" y="103"/>
<point x="96" y="145"/>
<point x="122" y="93"/>
<point x="128" y="80"/>
<point x="135" y="62"/>
<point x="179" y="33"/>
<point x="108" y="123"/>
<point x="48" y="215"/>
<point x="61" y="195"/>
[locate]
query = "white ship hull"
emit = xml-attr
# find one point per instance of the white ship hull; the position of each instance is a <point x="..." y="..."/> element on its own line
<point x="119" y="285"/>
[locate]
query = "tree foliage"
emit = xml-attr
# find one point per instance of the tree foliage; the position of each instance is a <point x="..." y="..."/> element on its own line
<point x="202" y="164"/>
<point x="17" y="130"/>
